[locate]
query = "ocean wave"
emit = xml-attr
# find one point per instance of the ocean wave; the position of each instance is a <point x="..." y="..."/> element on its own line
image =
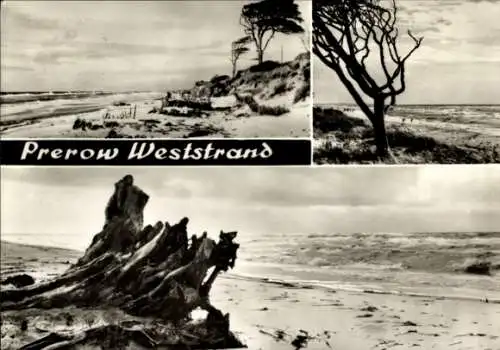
<point x="421" y="291"/>
<point x="32" y="107"/>
<point x="14" y="98"/>
<point x="417" y="263"/>
<point x="426" y="252"/>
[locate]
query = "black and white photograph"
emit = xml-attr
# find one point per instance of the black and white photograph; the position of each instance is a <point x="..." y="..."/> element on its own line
<point x="268" y="258"/>
<point x="155" y="69"/>
<point x="406" y="81"/>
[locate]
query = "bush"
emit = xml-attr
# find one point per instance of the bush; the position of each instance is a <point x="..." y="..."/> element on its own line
<point x="330" y="119"/>
<point x="272" y="110"/>
<point x="306" y="73"/>
<point x="261" y="109"/>
<point x="265" y="66"/>
<point x="280" y="89"/>
<point x="84" y="125"/>
<point x="111" y="124"/>
<point x="120" y="103"/>
<point x="354" y="143"/>
<point x="302" y="92"/>
<point x="219" y="78"/>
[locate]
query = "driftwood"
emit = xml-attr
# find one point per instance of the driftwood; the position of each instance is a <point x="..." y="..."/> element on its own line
<point x="152" y="272"/>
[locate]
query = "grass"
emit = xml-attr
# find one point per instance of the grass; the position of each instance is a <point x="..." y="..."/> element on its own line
<point x="261" y="109"/>
<point x="288" y="75"/>
<point x="348" y="140"/>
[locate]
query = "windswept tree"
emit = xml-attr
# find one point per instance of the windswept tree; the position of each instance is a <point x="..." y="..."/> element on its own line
<point x="238" y="48"/>
<point x="263" y="19"/>
<point x="349" y="33"/>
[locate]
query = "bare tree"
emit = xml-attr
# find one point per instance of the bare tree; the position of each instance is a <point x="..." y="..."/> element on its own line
<point x="238" y="48"/>
<point x="347" y="33"/>
<point x="263" y="19"/>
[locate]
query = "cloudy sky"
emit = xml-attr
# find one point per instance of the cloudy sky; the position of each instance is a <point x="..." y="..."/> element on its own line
<point x="123" y="45"/>
<point x="458" y="62"/>
<point x="71" y="201"/>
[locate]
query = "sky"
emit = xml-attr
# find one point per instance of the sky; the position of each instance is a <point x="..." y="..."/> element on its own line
<point x="124" y="45"/>
<point x="258" y="200"/>
<point x="458" y="62"/>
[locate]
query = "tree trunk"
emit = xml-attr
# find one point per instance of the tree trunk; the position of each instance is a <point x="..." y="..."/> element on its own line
<point x="234" y="70"/>
<point x="260" y="55"/>
<point x="381" y="141"/>
<point x="142" y="272"/>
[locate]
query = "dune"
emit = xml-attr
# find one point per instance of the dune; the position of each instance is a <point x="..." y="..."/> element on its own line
<point x="282" y="90"/>
<point x="347" y="138"/>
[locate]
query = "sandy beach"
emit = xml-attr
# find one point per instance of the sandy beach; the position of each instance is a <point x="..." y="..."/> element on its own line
<point x="275" y="315"/>
<point x="217" y="124"/>
<point x="418" y="134"/>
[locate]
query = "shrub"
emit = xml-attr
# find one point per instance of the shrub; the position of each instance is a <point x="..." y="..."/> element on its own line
<point x="111" y="124"/>
<point x="306" y="73"/>
<point x="261" y="109"/>
<point x="330" y="119"/>
<point x="265" y="66"/>
<point x="272" y="110"/>
<point x="219" y="78"/>
<point x="302" y="92"/>
<point x="279" y="89"/>
<point x="120" y="103"/>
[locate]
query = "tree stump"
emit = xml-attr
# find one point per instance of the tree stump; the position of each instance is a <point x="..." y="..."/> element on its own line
<point x="145" y="272"/>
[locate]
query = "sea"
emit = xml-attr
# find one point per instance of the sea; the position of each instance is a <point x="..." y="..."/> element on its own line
<point x="486" y="115"/>
<point x="413" y="264"/>
<point x="17" y="107"/>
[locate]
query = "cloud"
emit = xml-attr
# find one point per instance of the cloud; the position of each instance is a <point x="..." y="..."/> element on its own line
<point x="288" y="187"/>
<point x="57" y="52"/>
<point x="13" y="15"/>
<point x="367" y="199"/>
<point x="73" y="44"/>
<point x="16" y="68"/>
<point x="458" y="61"/>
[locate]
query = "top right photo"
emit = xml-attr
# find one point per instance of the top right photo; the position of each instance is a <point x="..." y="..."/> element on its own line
<point x="406" y="81"/>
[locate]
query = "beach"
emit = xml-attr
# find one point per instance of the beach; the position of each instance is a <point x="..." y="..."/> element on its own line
<point x="283" y="306"/>
<point x="418" y="134"/>
<point x="55" y="118"/>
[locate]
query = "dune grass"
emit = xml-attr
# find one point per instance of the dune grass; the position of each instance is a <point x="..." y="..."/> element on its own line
<point x="347" y="140"/>
<point x="259" y="108"/>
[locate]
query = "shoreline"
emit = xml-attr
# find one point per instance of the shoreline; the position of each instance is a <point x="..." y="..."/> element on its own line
<point x="294" y="283"/>
<point x="268" y="314"/>
<point x="59" y="121"/>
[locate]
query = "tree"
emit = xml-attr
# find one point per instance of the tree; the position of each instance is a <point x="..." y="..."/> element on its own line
<point x="262" y="20"/>
<point x="347" y="33"/>
<point x="238" y="48"/>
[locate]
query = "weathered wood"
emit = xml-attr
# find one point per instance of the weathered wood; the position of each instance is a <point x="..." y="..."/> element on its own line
<point x="151" y="271"/>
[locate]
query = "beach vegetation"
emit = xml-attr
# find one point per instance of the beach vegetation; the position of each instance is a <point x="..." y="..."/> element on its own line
<point x="346" y="140"/>
<point x="238" y="48"/>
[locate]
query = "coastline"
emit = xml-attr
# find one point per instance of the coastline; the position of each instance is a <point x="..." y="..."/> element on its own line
<point x="272" y="314"/>
<point x="57" y="122"/>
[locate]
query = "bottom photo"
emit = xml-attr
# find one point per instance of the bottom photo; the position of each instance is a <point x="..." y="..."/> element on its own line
<point x="259" y="258"/>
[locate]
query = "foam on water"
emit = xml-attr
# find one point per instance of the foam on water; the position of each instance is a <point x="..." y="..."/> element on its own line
<point x="413" y="264"/>
<point x="19" y="107"/>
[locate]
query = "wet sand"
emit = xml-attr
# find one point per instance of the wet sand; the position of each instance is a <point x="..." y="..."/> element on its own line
<point x="267" y="315"/>
<point x="239" y="123"/>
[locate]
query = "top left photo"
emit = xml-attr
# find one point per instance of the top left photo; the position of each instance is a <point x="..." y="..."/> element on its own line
<point x="155" y="69"/>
